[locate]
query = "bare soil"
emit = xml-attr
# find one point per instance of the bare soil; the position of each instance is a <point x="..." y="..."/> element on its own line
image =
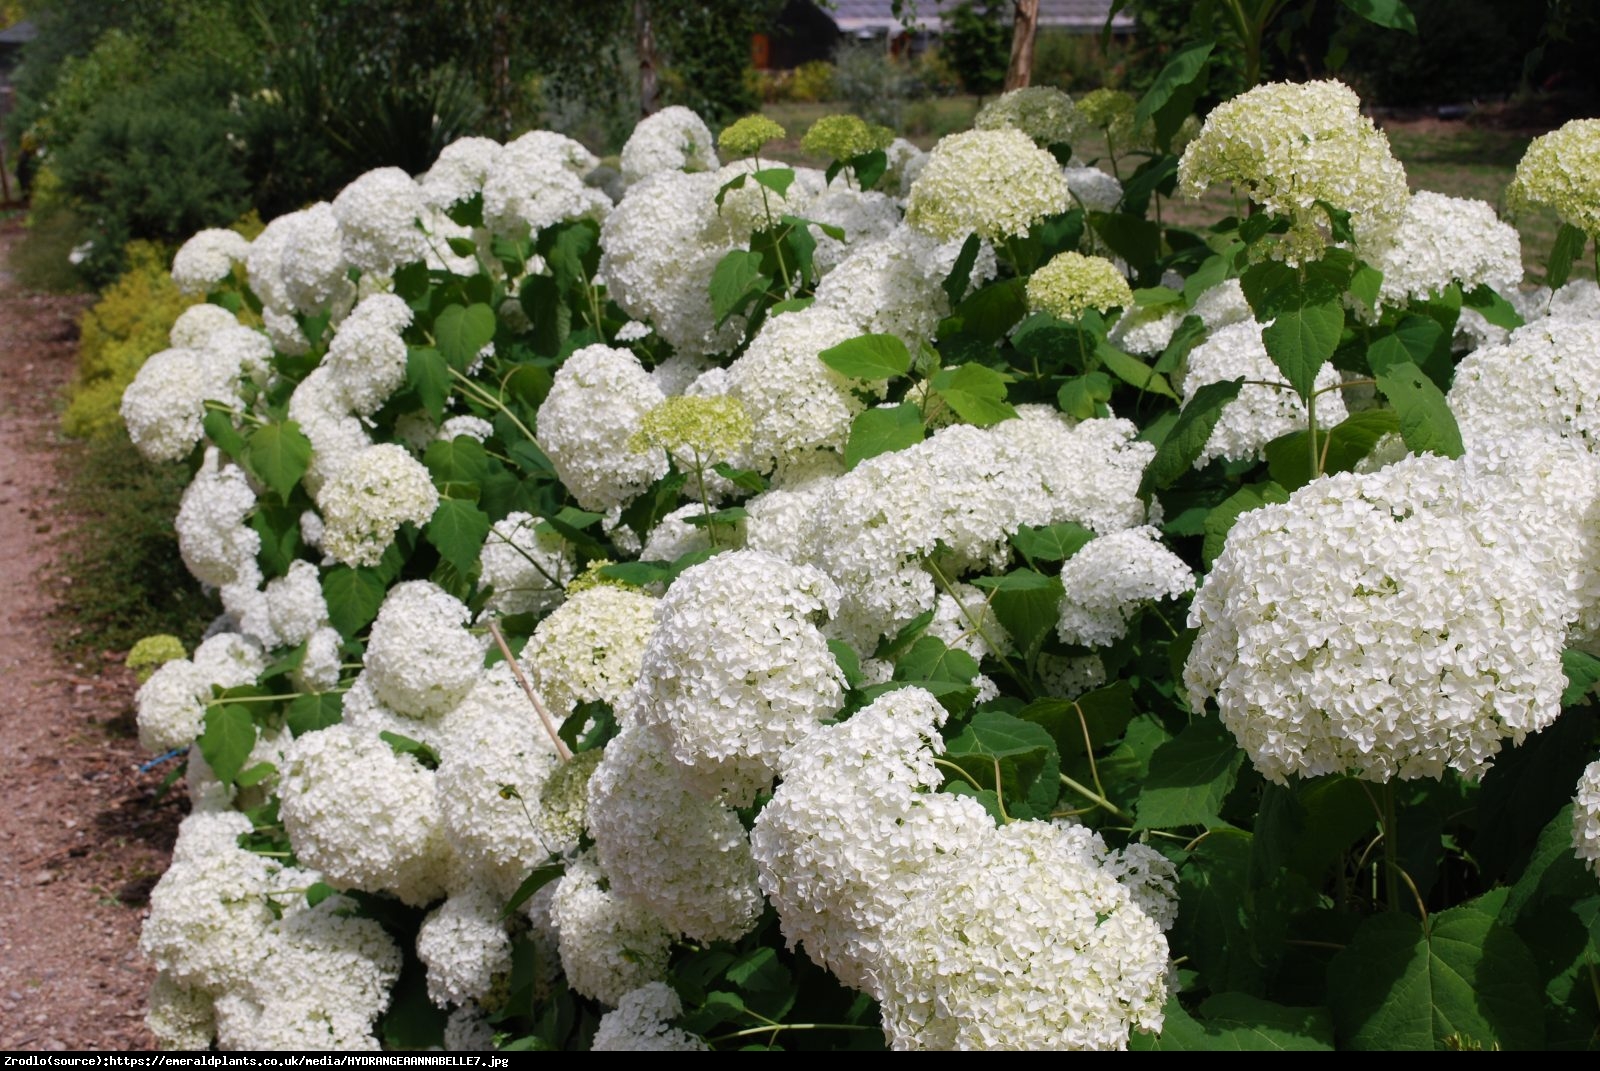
<point x="82" y="838"/>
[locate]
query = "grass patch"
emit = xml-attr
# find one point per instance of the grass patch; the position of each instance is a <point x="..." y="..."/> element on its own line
<point x="40" y="259"/>
<point x="121" y="577"/>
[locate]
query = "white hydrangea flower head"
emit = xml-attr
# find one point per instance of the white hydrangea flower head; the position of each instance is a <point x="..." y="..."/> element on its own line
<point x="537" y="182"/>
<point x="1068" y="677"/>
<point x="777" y="520"/>
<point x="592" y="411"/>
<point x="171" y="704"/>
<point x="1586" y="817"/>
<point x="1287" y="146"/>
<point x="642" y="1022"/>
<point x="673" y="536"/>
<point x="196" y="324"/>
<point x="1044" y="113"/>
<point x="207" y="259"/>
<point x="684" y="857"/>
<point x="590" y="648"/>
<point x="465" y="945"/>
<point x="672" y="139"/>
<point x="736" y="672"/>
<point x="1578" y="299"/>
<point x="244" y="346"/>
<point x="895" y="285"/>
<point x="1391" y="624"/>
<point x="962" y="491"/>
<point x="1444" y="239"/>
<point x="964" y="620"/>
<point x="993" y="183"/>
<point x="363" y="711"/>
<point x="1146" y="330"/>
<point x="296" y="605"/>
<point x="264" y="264"/>
<point x="469" y="1030"/>
<point x="1260" y="413"/>
<point x="180" y="1017"/>
<point x="209" y="912"/>
<point x="1094" y="189"/>
<point x="491" y="740"/>
<point x="659" y="248"/>
<point x="526" y="568"/>
<point x="465" y="424"/>
<point x="1561" y="171"/>
<point x="1223" y="304"/>
<point x="319" y="669"/>
<point x="314" y="266"/>
<point x="1150" y="878"/>
<point x="378" y="218"/>
<point x="1546" y="376"/>
<point x="164" y="405"/>
<point x="366" y="360"/>
<point x="905" y="163"/>
<point x="748" y="208"/>
<point x="460" y="171"/>
<point x="365" y="816"/>
<point x="798" y="405"/>
<point x="336" y="434"/>
<point x="609" y="945"/>
<point x="1551" y="487"/>
<point x="848" y="834"/>
<point x="421" y="660"/>
<point x="863" y="215"/>
<point x="217" y="545"/>
<point x="1022" y="941"/>
<point x="1111" y="578"/>
<point x="369" y="498"/>
<point x="324" y="985"/>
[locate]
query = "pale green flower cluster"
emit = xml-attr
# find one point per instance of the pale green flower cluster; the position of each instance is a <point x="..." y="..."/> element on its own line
<point x="995" y="183"/>
<point x="152" y="652"/>
<point x="1072" y="283"/>
<point x="708" y="427"/>
<point x="841" y="137"/>
<point x="1045" y="114"/>
<point x="1297" y="151"/>
<point x="1113" y="111"/>
<point x="1561" y="171"/>
<point x="744" y="137"/>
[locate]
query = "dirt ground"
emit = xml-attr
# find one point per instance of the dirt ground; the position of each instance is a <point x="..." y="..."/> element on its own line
<point x="82" y="840"/>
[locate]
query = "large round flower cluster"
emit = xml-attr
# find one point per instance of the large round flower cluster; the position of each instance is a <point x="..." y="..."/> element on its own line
<point x="1289" y="146"/>
<point x="1386" y="625"/>
<point x="1561" y="171"/>
<point x="992" y="183"/>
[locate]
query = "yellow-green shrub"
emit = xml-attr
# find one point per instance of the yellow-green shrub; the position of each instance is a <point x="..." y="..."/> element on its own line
<point x="131" y="321"/>
<point x="812" y="82"/>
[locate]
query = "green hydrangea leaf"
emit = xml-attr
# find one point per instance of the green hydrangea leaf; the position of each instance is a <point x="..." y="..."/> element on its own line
<point x="461" y="331"/>
<point x="1426" y="423"/>
<point x="1190" y="776"/>
<point x="457" y="530"/>
<point x="869" y="357"/>
<point x="226" y="741"/>
<point x="353" y="596"/>
<point x="1465" y="981"/>
<point x="279" y="454"/>
<point x="881" y="431"/>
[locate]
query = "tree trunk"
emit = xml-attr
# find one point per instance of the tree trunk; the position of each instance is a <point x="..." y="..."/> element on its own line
<point x="1024" y="26"/>
<point x="646" y="46"/>
<point x="500" y="53"/>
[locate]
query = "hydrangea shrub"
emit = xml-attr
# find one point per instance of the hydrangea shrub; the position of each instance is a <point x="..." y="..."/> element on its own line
<point x="926" y="603"/>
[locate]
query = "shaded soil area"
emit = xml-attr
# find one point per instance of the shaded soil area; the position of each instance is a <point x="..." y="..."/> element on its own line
<point x="82" y="838"/>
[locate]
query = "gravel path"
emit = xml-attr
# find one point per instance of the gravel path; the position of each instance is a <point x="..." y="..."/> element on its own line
<point x="81" y="840"/>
